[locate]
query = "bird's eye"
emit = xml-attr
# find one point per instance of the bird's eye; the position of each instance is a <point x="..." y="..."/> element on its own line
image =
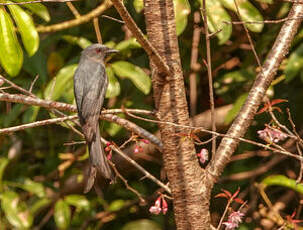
<point x="98" y="50"/>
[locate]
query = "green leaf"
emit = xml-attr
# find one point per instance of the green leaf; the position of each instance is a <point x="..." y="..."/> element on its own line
<point x="37" y="8"/>
<point x="80" y="41"/>
<point x="59" y="85"/>
<point x="128" y="70"/>
<point x="142" y="224"/>
<point x="27" y="29"/>
<point x="11" y="55"/>
<point x="236" y="108"/>
<point x="113" y="89"/>
<point x="62" y="214"/>
<point x="266" y="1"/>
<point x="283" y="181"/>
<point x="128" y="44"/>
<point x="3" y="163"/>
<point x="116" y="205"/>
<point x="182" y="10"/>
<point x="247" y="13"/>
<point x="216" y="15"/>
<point x="38" y="205"/>
<point x="15" y="211"/>
<point x="138" y="5"/>
<point x="113" y="129"/>
<point x="295" y="64"/>
<point x="34" y="187"/>
<point x="79" y="201"/>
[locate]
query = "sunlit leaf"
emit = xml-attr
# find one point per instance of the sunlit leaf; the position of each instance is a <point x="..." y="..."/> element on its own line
<point x="26" y="27"/>
<point x="216" y="16"/>
<point x="295" y="64"/>
<point x="236" y="108"/>
<point x="128" y="70"/>
<point x="138" y="5"/>
<point x="113" y="88"/>
<point x="80" y="41"/>
<point x="11" y="55"/>
<point x="79" y="201"/>
<point x="247" y="13"/>
<point x="37" y="8"/>
<point x="116" y="205"/>
<point x="3" y="163"/>
<point x="182" y="10"/>
<point x="281" y="180"/>
<point x="34" y="187"/>
<point x="59" y="85"/>
<point x="62" y="214"/>
<point x="128" y="44"/>
<point x="142" y="224"/>
<point x="15" y="211"/>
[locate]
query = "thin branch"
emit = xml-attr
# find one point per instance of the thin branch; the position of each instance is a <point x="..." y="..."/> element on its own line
<point x="210" y="78"/>
<point x="254" y="99"/>
<point x="97" y="29"/>
<point x="36" y="1"/>
<point x="73" y="9"/>
<point x="147" y="46"/>
<point x="139" y="167"/>
<point x="78" y="21"/>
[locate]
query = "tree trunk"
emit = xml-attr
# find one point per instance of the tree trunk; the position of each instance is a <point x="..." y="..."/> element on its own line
<point x="186" y="178"/>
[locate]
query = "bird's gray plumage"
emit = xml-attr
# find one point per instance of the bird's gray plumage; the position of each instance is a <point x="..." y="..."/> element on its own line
<point x="90" y="84"/>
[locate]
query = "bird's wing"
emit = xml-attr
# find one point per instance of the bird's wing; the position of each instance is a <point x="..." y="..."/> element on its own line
<point x="92" y="81"/>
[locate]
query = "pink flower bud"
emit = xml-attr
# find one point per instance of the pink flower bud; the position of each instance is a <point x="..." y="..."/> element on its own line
<point x="145" y="141"/>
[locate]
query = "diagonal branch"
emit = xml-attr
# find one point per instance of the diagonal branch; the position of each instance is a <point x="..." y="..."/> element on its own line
<point x="262" y="82"/>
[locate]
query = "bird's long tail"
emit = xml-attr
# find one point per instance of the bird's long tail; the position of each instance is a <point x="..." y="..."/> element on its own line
<point x="98" y="162"/>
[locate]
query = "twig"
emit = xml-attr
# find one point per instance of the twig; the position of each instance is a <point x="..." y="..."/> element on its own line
<point x="36" y="1"/>
<point x="33" y="83"/>
<point x="75" y="22"/>
<point x="139" y="167"/>
<point x="194" y="65"/>
<point x="113" y="19"/>
<point x="17" y="87"/>
<point x="73" y="9"/>
<point x="210" y="78"/>
<point x="147" y="46"/>
<point x="97" y="29"/>
<point x="36" y="124"/>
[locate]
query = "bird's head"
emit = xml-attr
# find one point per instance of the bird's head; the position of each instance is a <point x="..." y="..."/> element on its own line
<point x="98" y="52"/>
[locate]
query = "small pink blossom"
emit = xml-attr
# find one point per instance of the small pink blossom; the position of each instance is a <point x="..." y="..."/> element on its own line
<point x="272" y="135"/>
<point x="234" y="219"/>
<point x="109" y="156"/>
<point x="138" y="149"/>
<point x="145" y="141"/>
<point x="159" y="206"/>
<point x="203" y="155"/>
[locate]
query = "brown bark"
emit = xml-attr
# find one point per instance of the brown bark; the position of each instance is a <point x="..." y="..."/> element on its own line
<point x="183" y="171"/>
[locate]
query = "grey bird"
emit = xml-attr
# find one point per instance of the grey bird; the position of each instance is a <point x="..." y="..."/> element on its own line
<point x="90" y="84"/>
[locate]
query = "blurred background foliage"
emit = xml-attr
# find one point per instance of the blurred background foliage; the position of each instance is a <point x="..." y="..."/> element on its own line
<point x="38" y="172"/>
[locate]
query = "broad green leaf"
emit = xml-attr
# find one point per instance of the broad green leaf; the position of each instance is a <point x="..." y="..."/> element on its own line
<point x="143" y="224"/>
<point x="113" y="88"/>
<point x="27" y="29"/>
<point x="182" y="10"/>
<point x="283" y="181"/>
<point x="3" y="163"/>
<point x="216" y="16"/>
<point x="11" y="55"/>
<point x="62" y="214"/>
<point x="38" y="205"/>
<point x="37" y="8"/>
<point x="80" y="41"/>
<point x="247" y="13"/>
<point x="113" y="129"/>
<point x="295" y="64"/>
<point x="138" y="5"/>
<point x="59" y="85"/>
<point x="128" y="44"/>
<point x="128" y="70"/>
<point x="79" y="201"/>
<point x="235" y="109"/>
<point x="15" y="211"/>
<point x="34" y="187"/>
<point x="116" y="205"/>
